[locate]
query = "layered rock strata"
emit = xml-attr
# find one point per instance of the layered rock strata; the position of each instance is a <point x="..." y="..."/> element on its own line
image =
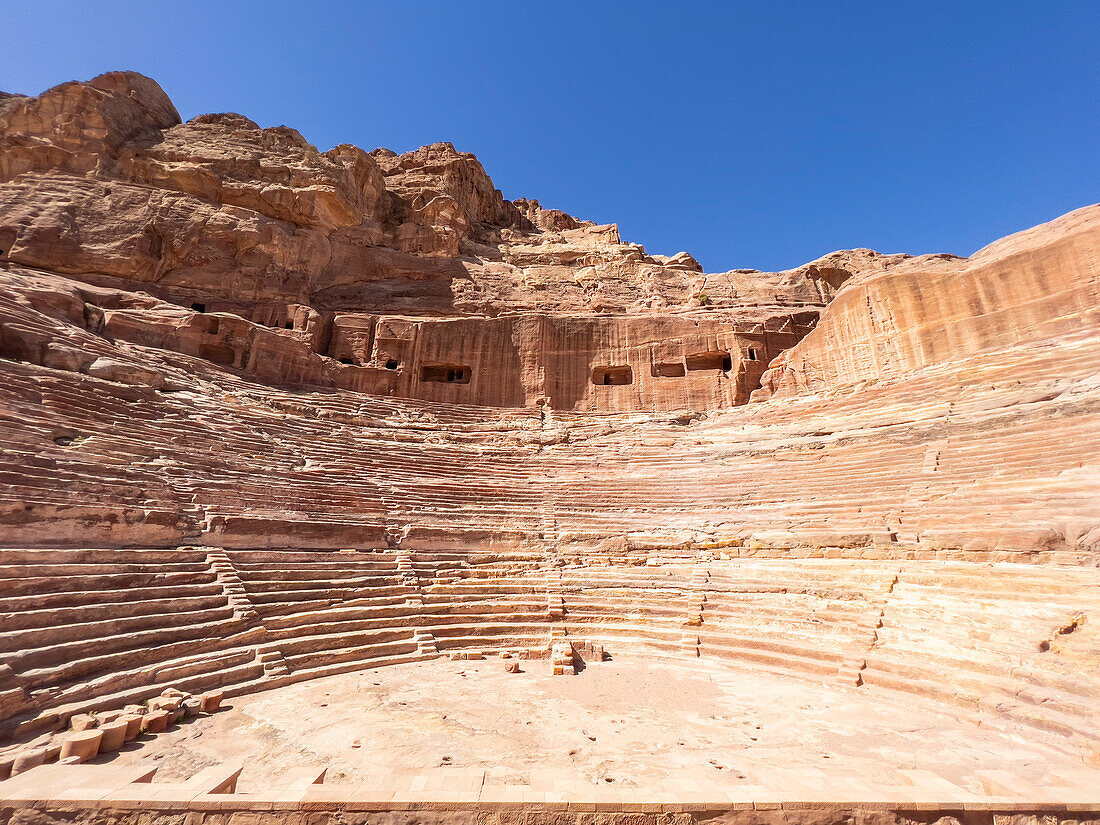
<point x="268" y="413"/>
<point x="382" y="273"/>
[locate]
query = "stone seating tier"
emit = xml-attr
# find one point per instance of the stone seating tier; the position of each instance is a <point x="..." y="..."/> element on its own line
<point x="916" y="524"/>
<point x="894" y="472"/>
<point x="885" y="625"/>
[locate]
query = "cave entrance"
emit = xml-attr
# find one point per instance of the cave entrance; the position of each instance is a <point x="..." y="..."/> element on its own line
<point x="446" y="373"/>
<point x="669" y="369"/>
<point x="717" y="360"/>
<point x="612" y="376"/>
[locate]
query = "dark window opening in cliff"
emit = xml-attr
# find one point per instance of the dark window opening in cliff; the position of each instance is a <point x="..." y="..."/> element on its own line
<point x="198" y="307"/>
<point x="219" y="354"/>
<point x="612" y="376"/>
<point x="392" y="364"/>
<point x="346" y="361"/>
<point x="710" y="361"/>
<point x="753" y="356"/>
<point x="669" y="369"/>
<point x="288" y="325"/>
<point x="446" y="373"/>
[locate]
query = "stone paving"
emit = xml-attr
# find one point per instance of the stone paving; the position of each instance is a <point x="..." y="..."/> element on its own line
<point x="108" y="787"/>
<point x="629" y="723"/>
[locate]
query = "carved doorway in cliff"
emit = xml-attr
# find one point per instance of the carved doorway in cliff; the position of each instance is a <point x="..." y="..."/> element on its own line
<point x="612" y="376"/>
<point x="446" y="373"/>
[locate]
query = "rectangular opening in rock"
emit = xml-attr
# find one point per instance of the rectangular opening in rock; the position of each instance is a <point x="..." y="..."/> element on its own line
<point x="219" y="353"/>
<point x="718" y="360"/>
<point x="612" y="376"/>
<point x="753" y="356"/>
<point x="198" y="307"/>
<point x="669" y="369"/>
<point x="446" y="373"/>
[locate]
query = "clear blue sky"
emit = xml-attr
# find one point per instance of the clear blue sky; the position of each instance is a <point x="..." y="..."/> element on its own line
<point x="758" y="134"/>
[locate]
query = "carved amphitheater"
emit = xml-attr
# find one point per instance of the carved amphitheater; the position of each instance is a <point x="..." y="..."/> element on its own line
<point x="335" y="485"/>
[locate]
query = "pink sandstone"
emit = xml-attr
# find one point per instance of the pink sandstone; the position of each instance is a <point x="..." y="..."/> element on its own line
<point x="83" y="745"/>
<point x="155" y="721"/>
<point x="270" y="414"/>
<point x="133" y="725"/>
<point x="113" y="735"/>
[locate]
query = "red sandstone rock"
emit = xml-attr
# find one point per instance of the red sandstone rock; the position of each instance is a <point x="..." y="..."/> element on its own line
<point x="178" y="207"/>
<point x="155" y="721"/>
<point x="81" y="722"/>
<point x="113" y="735"/>
<point x="168" y="703"/>
<point x="934" y="309"/>
<point x="249" y="384"/>
<point x="27" y="759"/>
<point x="83" y="745"/>
<point x="211" y="701"/>
<point x="133" y="725"/>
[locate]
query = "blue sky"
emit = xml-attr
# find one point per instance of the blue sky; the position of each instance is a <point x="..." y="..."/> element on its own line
<point x="759" y="134"/>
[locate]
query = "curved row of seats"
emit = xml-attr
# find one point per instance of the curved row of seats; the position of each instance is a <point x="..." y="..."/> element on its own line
<point x="1003" y="639"/>
<point x="933" y="468"/>
<point x="90" y="628"/>
<point x="960" y="454"/>
<point x="79" y="625"/>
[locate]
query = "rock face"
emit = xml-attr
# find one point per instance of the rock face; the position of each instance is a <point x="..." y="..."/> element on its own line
<point x="362" y="257"/>
<point x="1038" y="285"/>
<point x="317" y="410"/>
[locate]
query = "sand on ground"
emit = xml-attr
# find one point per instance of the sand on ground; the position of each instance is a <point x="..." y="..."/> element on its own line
<point x="631" y="721"/>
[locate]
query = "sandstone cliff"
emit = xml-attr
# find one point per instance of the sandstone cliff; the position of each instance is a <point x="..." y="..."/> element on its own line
<point x="237" y="279"/>
<point x="1037" y="285"/>
<point x="362" y="257"/>
<point x="268" y="413"/>
<point x="102" y="179"/>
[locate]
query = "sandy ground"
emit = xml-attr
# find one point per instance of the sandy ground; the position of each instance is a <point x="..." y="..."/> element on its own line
<point x="629" y="721"/>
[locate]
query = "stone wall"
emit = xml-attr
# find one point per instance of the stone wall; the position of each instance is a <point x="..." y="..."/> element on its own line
<point x="92" y="794"/>
<point x="579" y="363"/>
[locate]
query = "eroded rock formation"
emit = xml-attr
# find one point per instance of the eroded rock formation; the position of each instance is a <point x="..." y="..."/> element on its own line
<point x="310" y="408"/>
<point x="384" y="273"/>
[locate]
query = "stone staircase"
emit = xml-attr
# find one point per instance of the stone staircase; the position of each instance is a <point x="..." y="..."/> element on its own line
<point x="232" y="586"/>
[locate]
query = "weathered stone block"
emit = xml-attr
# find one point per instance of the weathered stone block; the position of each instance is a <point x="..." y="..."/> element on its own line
<point x="83" y="745"/>
<point x="113" y="735"/>
<point x="155" y="721"/>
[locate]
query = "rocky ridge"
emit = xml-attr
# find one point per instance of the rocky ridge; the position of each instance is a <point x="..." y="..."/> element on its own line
<point x="101" y="178"/>
<point x="345" y="268"/>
